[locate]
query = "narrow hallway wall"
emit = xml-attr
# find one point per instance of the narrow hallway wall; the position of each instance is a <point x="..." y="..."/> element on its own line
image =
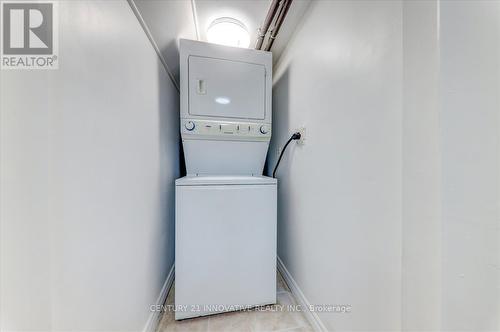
<point x="392" y="205"/>
<point x="339" y="227"/>
<point x="421" y="217"/>
<point x="470" y="106"/>
<point x="88" y="156"/>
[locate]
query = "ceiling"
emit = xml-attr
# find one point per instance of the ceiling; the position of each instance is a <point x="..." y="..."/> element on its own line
<point x="171" y="20"/>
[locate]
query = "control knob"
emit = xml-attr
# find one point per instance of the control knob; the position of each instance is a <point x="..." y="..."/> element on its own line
<point x="263" y="129"/>
<point x="189" y="125"/>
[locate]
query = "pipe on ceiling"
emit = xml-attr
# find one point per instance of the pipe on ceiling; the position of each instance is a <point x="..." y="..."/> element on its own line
<point x="277" y="25"/>
<point x="271" y="13"/>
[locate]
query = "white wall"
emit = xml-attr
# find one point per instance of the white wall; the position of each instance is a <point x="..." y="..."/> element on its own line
<point x="88" y="155"/>
<point x="393" y="203"/>
<point x="421" y="218"/>
<point x="470" y="106"/>
<point x="339" y="227"/>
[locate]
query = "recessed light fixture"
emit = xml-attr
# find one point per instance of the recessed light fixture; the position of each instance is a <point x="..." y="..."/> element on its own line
<point x="228" y="31"/>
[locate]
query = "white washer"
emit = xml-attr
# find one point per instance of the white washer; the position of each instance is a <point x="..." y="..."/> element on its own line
<point x="225" y="248"/>
<point x="225" y="244"/>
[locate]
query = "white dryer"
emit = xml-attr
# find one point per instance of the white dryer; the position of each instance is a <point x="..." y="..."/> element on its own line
<point x="225" y="249"/>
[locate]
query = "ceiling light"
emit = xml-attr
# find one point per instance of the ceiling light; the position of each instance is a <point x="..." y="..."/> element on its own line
<point x="228" y="31"/>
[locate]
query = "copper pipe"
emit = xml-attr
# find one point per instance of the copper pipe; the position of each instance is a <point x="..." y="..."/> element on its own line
<point x="277" y="25"/>
<point x="271" y="13"/>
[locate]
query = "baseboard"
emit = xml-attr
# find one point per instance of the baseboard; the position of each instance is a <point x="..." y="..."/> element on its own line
<point x="312" y="317"/>
<point x="154" y="317"/>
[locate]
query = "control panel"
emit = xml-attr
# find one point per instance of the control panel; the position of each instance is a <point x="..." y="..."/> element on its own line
<point x="225" y="129"/>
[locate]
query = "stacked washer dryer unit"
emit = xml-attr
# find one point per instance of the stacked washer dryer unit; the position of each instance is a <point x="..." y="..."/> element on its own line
<point x="225" y="249"/>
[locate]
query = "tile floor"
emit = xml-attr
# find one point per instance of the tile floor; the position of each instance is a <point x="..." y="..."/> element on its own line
<point x="242" y="321"/>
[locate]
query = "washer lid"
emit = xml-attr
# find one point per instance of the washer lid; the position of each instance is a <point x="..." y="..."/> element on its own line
<point x="193" y="180"/>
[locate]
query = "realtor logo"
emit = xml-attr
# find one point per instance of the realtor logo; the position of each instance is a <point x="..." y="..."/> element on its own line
<point x="29" y="39"/>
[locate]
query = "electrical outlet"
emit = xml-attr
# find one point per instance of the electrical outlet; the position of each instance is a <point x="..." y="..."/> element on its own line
<point x="302" y="139"/>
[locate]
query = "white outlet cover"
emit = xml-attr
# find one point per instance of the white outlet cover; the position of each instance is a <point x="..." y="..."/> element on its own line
<point x="302" y="139"/>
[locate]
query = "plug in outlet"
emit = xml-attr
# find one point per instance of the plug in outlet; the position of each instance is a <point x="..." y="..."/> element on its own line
<point x="302" y="139"/>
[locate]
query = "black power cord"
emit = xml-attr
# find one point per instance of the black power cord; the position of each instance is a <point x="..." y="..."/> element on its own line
<point x="295" y="136"/>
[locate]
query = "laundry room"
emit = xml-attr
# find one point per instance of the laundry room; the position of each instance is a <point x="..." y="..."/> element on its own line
<point x="250" y="165"/>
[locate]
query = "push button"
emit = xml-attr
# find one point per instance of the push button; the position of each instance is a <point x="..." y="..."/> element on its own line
<point x="243" y="129"/>
<point x="207" y="128"/>
<point x="228" y="129"/>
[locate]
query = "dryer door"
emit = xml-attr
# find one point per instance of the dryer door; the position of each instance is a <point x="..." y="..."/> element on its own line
<point x="226" y="89"/>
